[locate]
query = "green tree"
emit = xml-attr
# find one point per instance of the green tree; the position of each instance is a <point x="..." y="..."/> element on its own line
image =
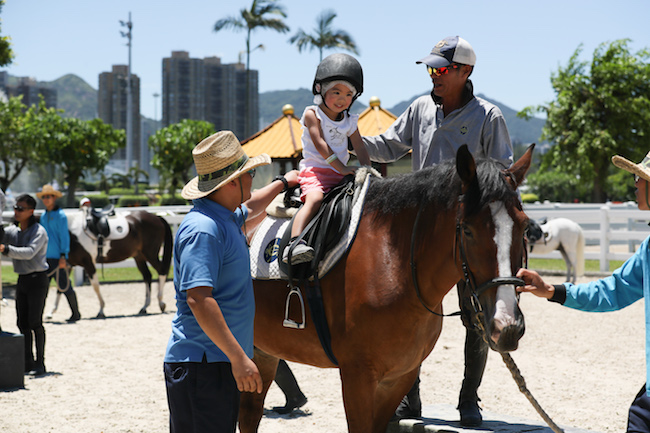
<point x="77" y="146"/>
<point x="6" y="53"/>
<point x="263" y="14"/>
<point x="172" y="150"/>
<point x="324" y="37"/>
<point x="602" y="109"/>
<point x="22" y="134"/>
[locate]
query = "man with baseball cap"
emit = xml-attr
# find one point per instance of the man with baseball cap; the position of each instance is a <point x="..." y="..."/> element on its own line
<point x="432" y="128"/>
<point x="208" y="358"/>
<point x="626" y="285"/>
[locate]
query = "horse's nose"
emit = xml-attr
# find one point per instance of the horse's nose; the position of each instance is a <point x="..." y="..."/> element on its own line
<point x="506" y="336"/>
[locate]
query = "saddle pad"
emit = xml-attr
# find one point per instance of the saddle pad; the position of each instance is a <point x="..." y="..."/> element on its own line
<point x="118" y="224"/>
<point x="264" y="247"/>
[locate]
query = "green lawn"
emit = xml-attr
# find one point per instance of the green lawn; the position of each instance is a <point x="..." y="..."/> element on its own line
<point x="559" y="265"/>
<point x="132" y="274"/>
<point x="107" y="275"/>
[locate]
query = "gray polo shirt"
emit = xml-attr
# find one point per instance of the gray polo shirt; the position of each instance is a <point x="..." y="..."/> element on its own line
<point x="27" y="249"/>
<point x="432" y="137"/>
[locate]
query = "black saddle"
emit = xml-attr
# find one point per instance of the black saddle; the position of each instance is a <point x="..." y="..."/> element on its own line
<point x="97" y="221"/>
<point x="324" y="230"/>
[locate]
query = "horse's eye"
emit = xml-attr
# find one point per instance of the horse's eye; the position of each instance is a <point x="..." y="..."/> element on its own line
<point x="467" y="232"/>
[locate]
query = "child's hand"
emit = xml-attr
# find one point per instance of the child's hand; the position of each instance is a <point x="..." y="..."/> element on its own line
<point x="349" y="170"/>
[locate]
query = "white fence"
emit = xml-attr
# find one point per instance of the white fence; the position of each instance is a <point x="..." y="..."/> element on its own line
<point x="615" y="229"/>
<point x="612" y="231"/>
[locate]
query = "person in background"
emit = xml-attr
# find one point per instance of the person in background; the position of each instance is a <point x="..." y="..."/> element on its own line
<point x="432" y="128"/>
<point x="287" y="382"/>
<point x="56" y="224"/>
<point x="628" y="284"/>
<point x="25" y="243"/>
<point x="208" y="361"/>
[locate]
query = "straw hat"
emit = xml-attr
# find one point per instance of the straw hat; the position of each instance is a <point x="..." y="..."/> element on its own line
<point x="641" y="169"/>
<point x="218" y="160"/>
<point x="49" y="190"/>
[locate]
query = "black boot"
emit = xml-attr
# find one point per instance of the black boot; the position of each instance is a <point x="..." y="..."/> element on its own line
<point x="39" y="366"/>
<point x="411" y="405"/>
<point x="476" y="350"/>
<point x="289" y="386"/>
<point x="74" y="306"/>
<point x="29" y="355"/>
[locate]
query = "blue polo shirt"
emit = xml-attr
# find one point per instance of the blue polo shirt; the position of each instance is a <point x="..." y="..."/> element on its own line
<point x="210" y="250"/>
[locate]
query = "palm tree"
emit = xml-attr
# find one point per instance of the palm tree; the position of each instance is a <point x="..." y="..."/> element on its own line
<point x="251" y="19"/>
<point x="324" y="36"/>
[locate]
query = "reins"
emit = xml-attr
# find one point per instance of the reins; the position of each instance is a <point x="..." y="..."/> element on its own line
<point x="475" y="292"/>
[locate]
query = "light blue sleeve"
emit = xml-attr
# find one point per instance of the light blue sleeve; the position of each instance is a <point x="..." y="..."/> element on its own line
<point x="622" y="288"/>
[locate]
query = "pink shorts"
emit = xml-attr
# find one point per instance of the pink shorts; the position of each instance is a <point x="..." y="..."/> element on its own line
<point x="317" y="179"/>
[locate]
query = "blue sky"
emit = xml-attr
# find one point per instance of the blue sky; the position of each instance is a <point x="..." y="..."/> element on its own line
<point x="518" y="43"/>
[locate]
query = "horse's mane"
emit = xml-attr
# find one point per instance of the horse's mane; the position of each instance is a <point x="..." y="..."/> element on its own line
<point x="439" y="185"/>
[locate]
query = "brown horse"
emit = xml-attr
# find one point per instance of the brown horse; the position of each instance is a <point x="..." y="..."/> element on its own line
<point x="420" y="234"/>
<point x="147" y="234"/>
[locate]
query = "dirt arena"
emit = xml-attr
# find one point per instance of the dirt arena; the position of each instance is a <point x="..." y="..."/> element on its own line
<point x="106" y="375"/>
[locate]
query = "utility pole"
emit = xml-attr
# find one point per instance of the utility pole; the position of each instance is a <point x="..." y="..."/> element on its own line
<point x="129" y="98"/>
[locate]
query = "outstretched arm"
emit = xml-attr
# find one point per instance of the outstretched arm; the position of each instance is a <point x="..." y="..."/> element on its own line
<point x="359" y="148"/>
<point x="262" y="197"/>
<point x="535" y="284"/>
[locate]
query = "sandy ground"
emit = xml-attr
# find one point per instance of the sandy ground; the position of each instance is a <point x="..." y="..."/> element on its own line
<point x="106" y="375"/>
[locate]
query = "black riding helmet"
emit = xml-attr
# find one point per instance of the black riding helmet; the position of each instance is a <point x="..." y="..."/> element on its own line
<point x="339" y="66"/>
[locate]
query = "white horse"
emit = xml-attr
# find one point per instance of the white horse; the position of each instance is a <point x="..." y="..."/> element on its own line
<point x="560" y="234"/>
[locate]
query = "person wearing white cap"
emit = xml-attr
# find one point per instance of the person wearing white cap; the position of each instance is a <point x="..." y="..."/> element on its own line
<point x="432" y="129"/>
<point x="208" y="361"/>
<point x="628" y="284"/>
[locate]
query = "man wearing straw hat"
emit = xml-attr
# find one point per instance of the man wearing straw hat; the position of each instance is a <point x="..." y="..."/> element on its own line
<point x="208" y="358"/>
<point x="56" y="224"/>
<point x="626" y="285"/>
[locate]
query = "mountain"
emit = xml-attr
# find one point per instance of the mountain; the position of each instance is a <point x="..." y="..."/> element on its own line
<point x="521" y="131"/>
<point x="76" y="97"/>
<point x="79" y="99"/>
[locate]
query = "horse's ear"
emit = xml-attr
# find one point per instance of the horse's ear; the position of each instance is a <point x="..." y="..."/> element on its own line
<point x="465" y="166"/>
<point x="520" y="168"/>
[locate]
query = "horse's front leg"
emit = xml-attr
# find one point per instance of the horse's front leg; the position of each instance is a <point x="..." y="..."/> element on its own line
<point x="359" y="388"/>
<point x="251" y="405"/>
<point x="56" y="305"/>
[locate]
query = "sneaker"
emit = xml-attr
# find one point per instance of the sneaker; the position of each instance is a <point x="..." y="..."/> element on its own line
<point x="301" y="253"/>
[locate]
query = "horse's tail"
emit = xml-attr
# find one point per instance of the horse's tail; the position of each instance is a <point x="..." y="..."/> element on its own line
<point x="580" y="254"/>
<point x="167" y="247"/>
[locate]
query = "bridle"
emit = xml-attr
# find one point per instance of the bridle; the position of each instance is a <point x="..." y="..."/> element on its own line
<point x="468" y="276"/>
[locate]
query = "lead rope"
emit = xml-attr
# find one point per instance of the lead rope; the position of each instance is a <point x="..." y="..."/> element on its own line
<point x="521" y="383"/>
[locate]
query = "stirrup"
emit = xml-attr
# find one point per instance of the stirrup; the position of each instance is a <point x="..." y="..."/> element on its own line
<point x="290" y="323"/>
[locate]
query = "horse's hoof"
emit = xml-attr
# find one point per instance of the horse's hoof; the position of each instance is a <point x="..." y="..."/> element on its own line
<point x="162" y="307"/>
<point x="100" y="316"/>
<point x="142" y="312"/>
<point x="48" y="316"/>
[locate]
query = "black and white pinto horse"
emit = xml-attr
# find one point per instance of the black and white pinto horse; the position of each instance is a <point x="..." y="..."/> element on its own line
<point x="142" y="236"/>
<point x="560" y="234"/>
